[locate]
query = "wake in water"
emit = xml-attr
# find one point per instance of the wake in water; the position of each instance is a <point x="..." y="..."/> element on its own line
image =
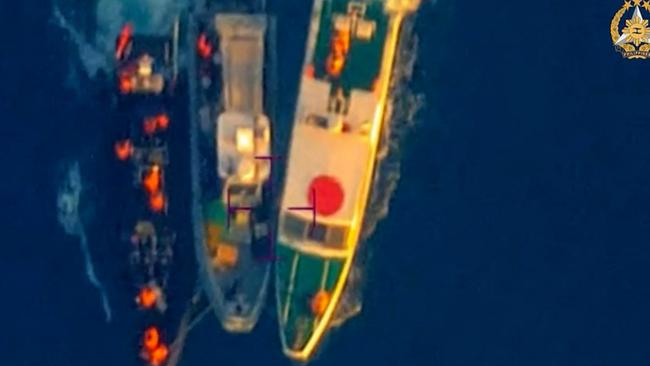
<point x="68" y="199"/>
<point x="147" y="16"/>
<point x="92" y="56"/>
<point x="401" y="118"/>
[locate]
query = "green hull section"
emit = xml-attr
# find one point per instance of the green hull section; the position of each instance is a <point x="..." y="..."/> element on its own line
<point x="214" y="212"/>
<point x="299" y="278"/>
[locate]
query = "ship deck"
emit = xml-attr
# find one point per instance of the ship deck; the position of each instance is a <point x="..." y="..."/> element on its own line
<point x="307" y="274"/>
<point x="242" y="47"/>
<point x="363" y="63"/>
<point x="237" y="292"/>
<point x="304" y="270"/>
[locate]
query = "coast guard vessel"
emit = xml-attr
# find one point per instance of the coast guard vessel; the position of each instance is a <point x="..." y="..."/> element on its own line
<point x="341" y="110"/>
<point x="231" y="154"/>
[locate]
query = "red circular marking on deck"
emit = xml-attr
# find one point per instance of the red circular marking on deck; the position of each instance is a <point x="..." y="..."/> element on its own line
<point x="328" y="194"/>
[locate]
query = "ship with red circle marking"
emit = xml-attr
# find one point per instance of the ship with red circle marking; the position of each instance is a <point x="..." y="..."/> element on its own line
<point x="341" y="110"/>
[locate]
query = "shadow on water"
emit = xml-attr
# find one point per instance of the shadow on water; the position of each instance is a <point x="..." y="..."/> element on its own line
<point x="401" y="118"/>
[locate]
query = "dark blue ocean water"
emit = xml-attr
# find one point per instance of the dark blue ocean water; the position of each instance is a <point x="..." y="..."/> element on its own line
<point x="519" y="233"/>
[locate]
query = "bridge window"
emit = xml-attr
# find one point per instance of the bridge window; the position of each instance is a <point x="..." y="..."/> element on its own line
<point x="294" y="227"/>
<point x="329" y="236"/>
<point x="318" y="233"/>
<point x="336" y="237"/>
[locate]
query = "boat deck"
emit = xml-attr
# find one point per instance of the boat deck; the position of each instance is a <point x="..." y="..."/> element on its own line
<point x="238" y="291"/>
<point x="308" y="274"/>
<point x="304" y="271"/>
<point x="363" y="62"/>
<point x="242" y="46"/>
<point x="236" y="279"/>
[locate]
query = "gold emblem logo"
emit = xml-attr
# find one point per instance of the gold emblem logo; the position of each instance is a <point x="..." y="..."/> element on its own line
<point x="633" y="41"/>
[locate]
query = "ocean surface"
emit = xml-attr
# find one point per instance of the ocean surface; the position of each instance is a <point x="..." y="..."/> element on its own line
<point x="518" y="233"/>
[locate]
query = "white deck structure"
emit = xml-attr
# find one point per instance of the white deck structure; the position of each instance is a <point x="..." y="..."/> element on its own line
<point x="243" y="131"/>
<point x="331" y="138"/>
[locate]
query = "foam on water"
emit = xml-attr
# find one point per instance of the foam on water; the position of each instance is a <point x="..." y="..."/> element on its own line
<point x="147" y="16"/>
<point x="91" y="56"/>
<point x="95" y="48"/>
<point x="400" y="119"/>
<point x="68" y="202"/>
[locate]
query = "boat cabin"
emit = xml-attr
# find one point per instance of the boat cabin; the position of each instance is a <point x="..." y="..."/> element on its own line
<point x="241" y="140"/>
<point x="145" y="64"/>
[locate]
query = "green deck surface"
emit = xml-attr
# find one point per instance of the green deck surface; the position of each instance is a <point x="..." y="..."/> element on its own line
<point x="363" y="62"/>
<point x="309" y="273"/>
<point x="214" y="212"/>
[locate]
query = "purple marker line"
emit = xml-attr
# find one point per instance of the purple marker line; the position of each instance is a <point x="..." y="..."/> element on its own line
<point x="309" y="208"/>
<point x="271" y="236"/>
<point x="233" y="209"/>
<point x="271" y="159"/>
<point x="229" y="210"/>
<point x="313" y="212"/>
<point x="268" y="157"/>
<point x="241" y="208"/>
